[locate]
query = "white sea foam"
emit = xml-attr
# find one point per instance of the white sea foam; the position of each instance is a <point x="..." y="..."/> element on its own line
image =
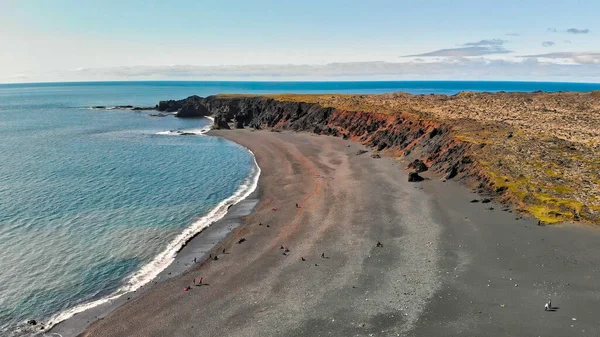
<point x="185" y="132"/>
<point x="151" y="270"/>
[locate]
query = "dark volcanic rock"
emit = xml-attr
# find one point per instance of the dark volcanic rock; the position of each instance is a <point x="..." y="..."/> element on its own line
<point x="414" y="177"/>
<point x="239" y="123"/>
<point x="140" y="108"/>
<point x="418" y="165"/>
<point x="192" y="109"/>
<point x="359" y="152"/>
<point x="192" y="106"/>
<point x="169" y="106"/>
<point x="32" y="322"/>
<point x="220" y="122"/>
<point x="452" y="172"/>
<point x="375" y="155"/>
<point x="501" y="189"/>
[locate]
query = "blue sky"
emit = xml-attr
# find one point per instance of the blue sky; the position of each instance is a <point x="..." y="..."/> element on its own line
<point x="64" y="40"/>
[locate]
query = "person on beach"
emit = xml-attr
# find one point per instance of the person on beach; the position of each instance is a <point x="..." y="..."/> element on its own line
<point x="379" y="244"/>
<point x="194" y="260"/>
<point x="323" y="255"/>
<point x="546" y="307"/>
<point x="297" y="206"/>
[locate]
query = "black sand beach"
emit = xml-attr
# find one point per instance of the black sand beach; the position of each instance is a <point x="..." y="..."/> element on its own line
<point x="446" y="266"/>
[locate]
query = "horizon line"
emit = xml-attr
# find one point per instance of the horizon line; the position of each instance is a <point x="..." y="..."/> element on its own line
<point x="293" y="81"/>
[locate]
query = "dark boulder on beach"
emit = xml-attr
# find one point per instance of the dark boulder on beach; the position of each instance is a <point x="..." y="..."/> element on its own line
<point x="414" y="177"/>
<point x="32" y="322"/>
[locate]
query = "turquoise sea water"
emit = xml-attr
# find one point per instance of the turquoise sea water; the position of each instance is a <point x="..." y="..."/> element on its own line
<point x="90" y="198"/>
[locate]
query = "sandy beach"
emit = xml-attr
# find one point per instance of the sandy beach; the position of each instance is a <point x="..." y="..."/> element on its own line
<point x="446" y="266"/>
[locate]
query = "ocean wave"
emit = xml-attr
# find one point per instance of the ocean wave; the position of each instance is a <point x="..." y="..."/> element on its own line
<point x="188" y="132"/>
<point x="151" y="270"/>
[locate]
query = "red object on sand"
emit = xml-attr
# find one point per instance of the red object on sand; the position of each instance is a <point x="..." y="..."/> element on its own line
<point x="274" y="208"/>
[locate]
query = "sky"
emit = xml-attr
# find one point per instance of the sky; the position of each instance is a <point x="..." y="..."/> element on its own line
<point x="74" y="40"/>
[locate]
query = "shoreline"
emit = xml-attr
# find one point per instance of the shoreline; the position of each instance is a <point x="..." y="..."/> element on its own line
<point x="217" y="225"/>
<point x="417" y="271"/>
<point x="447" y="266"/>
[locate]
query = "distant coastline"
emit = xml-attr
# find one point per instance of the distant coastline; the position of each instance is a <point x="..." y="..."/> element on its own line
<point x="366" y="86"/>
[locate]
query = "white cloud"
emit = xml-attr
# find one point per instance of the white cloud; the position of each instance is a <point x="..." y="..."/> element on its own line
<point x="580" y="58"/>
<point x="532" y="67"/>
<point x="479" y="48"/>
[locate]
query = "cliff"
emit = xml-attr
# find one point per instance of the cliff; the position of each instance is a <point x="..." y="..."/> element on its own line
<point x="525" y="149"/>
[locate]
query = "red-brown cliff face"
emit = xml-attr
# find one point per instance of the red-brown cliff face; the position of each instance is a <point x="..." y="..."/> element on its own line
<point x="537" y="173"/>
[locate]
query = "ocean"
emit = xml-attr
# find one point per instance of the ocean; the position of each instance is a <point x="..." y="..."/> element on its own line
<point x="95" y="202"/>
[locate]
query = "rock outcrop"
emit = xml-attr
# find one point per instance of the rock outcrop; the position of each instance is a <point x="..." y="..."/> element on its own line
<point x="192" y="106"/>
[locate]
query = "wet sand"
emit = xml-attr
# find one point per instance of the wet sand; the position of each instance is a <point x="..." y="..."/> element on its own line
<point x="440" y="252"/>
